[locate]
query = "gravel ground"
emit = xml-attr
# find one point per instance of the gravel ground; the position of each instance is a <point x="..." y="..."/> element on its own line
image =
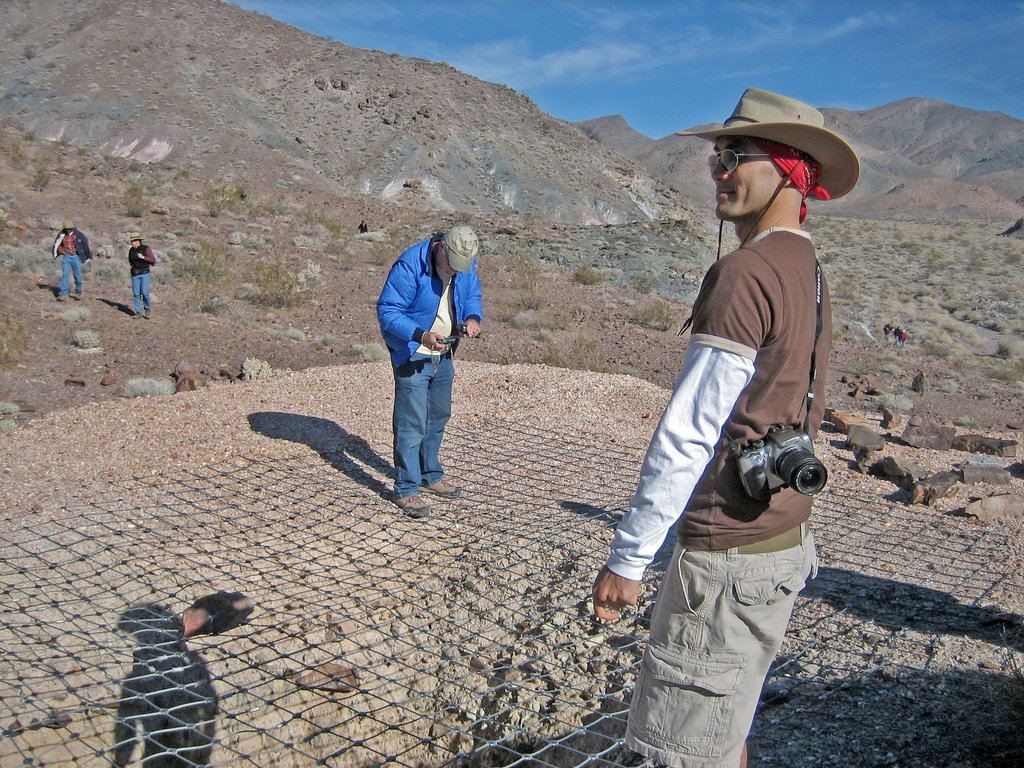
<point x="468" y="634"/>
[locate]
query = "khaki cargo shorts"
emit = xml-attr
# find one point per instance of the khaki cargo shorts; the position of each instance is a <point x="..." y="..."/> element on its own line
<point x="702" y="672"/>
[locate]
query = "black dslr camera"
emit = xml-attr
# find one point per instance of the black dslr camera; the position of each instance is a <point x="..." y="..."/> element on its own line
<point x="783" y="459"/>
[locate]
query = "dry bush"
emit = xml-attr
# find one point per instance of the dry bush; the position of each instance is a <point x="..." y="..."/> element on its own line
<point x="12" y="341"/>
<point x="275" y="285"/>
<point x="135" y="200"/>
<point x="657" y="314"/>
<point x="206" y="270"/>
<point x="588" y="275"/>
<point x="86" y="339"/>
<point x="142" y="387"/>
<point x="528" y="278"/>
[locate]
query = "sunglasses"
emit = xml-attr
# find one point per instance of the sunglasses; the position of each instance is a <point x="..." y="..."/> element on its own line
<point x="730" y="159"/>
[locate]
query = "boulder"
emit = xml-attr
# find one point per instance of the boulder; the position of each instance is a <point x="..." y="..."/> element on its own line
<point x="903" y="473"/>
<point x="991" y="446"/>
<point x="921" y="433"/>
<point x="842" y="420"/>
<point x="984" y="473"/>
<point x="935" y="487"/>
<point x="997" y="508"/>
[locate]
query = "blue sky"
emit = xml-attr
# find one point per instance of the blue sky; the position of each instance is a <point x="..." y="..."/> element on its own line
<point x="670" y="65"/>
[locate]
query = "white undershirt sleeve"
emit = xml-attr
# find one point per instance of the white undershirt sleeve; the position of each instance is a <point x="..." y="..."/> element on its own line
<point x="711" y="381"/>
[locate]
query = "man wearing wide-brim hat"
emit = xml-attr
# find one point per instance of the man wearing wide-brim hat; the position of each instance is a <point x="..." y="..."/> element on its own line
<point x="732" y="459"/>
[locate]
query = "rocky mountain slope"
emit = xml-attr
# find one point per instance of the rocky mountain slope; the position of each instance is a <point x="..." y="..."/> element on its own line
<point x="228" y="94"/>
<point x="917" y="155"/>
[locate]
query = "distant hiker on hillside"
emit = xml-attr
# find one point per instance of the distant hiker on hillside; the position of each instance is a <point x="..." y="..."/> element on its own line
<point x="73" y="248"/>
<point x="363" y="227"/>
<point x="140" y="259"/>
<point x="902" y="337"/>
<point x="887" y="329"/>
<point x="431" y="294"/>
<point x="753" y="381"/>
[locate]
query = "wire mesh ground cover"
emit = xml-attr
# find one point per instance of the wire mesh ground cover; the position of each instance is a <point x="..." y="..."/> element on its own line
<point x="468" y="633"/>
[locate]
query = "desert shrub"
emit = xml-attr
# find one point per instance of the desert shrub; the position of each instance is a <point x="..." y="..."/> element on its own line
<point x="16" y="156"/>
<point x="588" y="275"/>
<point x="524" y="320"/>
<point x="306" y="242"/>
<point x="643" y="283"/>
<point x="256" y="370"/>
<point x="369" y="352"/>
<point x="894" y="402"/>
<point x="12" y="340"/>
<point x="206" y="270"/>
<point x="577" y="354"/>
<point x="526" y="274"/>
<point x="134" y="200"/>
<point x="27" y="259"/>
<point x="244" y="239"/>
<point x="295" y="334"/>
<point x="40" y="180"/>
<point x="275" y="285"/>
<point x="148" y="387"/>
<point x="656" y="314"/>
<point x="75" y="315"/>
<point x="325" y="341"/>
<point x="892" y="369"/>
<point x="9" y="409"/>
<point x="217" y="199"/>
<point x="949" y="386"/>
<point x="108" y="269"/>
<point x="86" y="339"/>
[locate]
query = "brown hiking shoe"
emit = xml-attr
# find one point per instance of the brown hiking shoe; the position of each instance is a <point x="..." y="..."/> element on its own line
<point x="413" y="506"/>
<point x="443" y="488"/>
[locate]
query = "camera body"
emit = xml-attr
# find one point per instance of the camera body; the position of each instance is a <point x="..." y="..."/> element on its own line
<point x="783" y="459"/>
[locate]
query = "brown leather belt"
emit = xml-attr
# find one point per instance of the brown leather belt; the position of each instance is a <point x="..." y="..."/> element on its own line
<point x="794" y="537"/>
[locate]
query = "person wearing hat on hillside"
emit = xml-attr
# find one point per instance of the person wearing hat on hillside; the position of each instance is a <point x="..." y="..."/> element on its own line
<point x="140" y="259"/>
<point x="73" y="248"/>
<point x="760" y="339"/>
<point x="431" y="295"/>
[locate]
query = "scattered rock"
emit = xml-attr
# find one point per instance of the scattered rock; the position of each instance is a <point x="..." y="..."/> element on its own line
<point x="108" y="381"/>
<point x="935" y="487"/>
<point x="903" y="473"/>
<point x="921" y="433"/>
<point x="997" y="508"/>
<point x="984" y="473"/>
<point x="842" y="420"/>
<point x="327" y="677"/>
<point x="74" y="383"/>
<point x="988" y="445"/>
<point x="889" y="418"/>
<point x="862" y="437"/>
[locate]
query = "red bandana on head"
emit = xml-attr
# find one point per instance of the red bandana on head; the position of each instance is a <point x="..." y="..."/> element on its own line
<point x="803" y="170"/>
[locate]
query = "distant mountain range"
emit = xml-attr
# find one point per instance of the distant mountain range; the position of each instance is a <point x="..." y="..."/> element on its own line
<point x="233" y="95"/>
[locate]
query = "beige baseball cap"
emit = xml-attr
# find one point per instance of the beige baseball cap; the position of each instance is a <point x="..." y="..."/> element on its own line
<point x="463" y="246"/>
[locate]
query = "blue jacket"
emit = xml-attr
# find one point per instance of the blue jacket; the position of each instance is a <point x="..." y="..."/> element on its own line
<point x="81" y="245"/>
<point x="409" y="300"/>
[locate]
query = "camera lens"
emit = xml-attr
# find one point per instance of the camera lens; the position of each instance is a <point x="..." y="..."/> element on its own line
<point x="802" y="472"/>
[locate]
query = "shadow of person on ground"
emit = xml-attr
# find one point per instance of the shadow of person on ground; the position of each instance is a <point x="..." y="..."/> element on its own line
<point x="897" y="605"/>
<point x="344" y="451"/>
<point x="168" y="700"/>
<point x="124" y="308"/>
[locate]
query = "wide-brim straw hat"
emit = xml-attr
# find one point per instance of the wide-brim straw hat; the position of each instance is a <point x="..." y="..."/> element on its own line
<point x="765" y="115"/>
<point x="134" y="236"/>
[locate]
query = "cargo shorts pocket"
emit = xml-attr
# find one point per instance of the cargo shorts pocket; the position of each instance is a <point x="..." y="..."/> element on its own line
<point x="683" y="703"/>
<point x="766" y="587"/>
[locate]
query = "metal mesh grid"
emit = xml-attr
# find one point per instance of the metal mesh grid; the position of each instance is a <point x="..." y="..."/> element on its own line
<point x="461" y="639"/>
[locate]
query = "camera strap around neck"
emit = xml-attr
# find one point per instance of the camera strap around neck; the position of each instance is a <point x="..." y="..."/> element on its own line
<point x="819" y="289"/>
